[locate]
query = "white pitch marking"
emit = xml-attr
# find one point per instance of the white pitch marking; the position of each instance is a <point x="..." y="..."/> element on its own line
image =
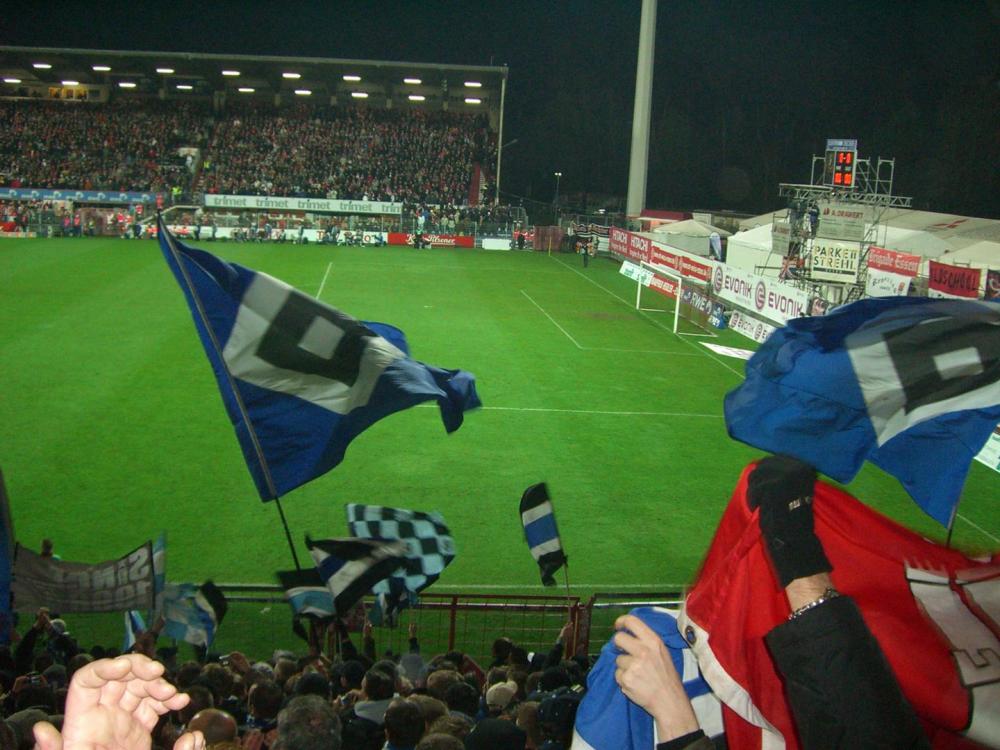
<point x="323" y="283"/>
<point x="978" y="527"/>
<point x="639" y="351"/>
<point x="648" y="317"/>
<point x="652" y="587"/>
<point x="591" y="411"/>
<point x="553" y="320"/>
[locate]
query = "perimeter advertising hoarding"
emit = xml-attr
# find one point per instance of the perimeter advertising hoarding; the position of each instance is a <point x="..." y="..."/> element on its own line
<point x="750" y="327"/>
<point x="320" y="205"/>
<point x="842" y="221"/>
<point x="764" y="296"/>
<point x="834" y="261"/>
<point x="781" y="235"/>
<point x="953" y="281"/>
<point x="680" y="263"/>
<point x="435" y="240"/>
<point x="893" y="261"/>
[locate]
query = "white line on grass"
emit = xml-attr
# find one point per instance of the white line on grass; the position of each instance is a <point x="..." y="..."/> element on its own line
<point x="978" y="527"/>
<point x="551" y="319"/>
<point x="652" y="587"/>
<point x="653" y="320"/>
<point x="591" y="412"/>
<point x="323" y="283"/>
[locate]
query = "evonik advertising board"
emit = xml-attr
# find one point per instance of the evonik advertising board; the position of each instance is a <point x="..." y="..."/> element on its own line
<point x="766" y="297"/>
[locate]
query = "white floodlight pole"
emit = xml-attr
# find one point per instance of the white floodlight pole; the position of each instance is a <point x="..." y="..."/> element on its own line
<point x="641" y="114"/>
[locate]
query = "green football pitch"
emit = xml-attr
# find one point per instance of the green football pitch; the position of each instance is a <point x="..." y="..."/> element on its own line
<point x="113" y="429"/>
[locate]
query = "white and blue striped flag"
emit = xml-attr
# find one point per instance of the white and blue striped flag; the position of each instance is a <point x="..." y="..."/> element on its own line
<point x="350" y="568"/>
<point x="134" y="627"/>
<point x="193" y="613"/>
<point x="300" y="379"/>
<point x="541" y="532"/>
<point x="307" y="593"/>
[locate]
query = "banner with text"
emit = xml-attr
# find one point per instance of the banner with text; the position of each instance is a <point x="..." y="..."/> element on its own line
<point x="80" y="196"/>
<point x="628" y="245"/>
<point x="680" y="263"/>
<point x="767" y="297"/>
<point x="112" y="586"/>
<point x="781" y="237"/>
<point x="953" y="281"/>
<point x="750" y="327"/>
<point x="893" y="261"/>
<point x="842" y="221"/>
<point x="319" y="205"/>
<point x="834" y="261"/>
<point x="885" y="284"/>
<point x="649" y="278"/>
<point x="435" y="240"/>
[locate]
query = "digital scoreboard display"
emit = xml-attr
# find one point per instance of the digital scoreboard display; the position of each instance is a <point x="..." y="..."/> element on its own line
<point x="841" y="156"/>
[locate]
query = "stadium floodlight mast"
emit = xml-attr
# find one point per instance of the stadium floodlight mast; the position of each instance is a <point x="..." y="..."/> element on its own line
<point x="555" y="200"/>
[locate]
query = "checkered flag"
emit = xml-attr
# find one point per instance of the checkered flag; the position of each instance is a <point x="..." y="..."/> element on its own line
<point x="429" y="546"/>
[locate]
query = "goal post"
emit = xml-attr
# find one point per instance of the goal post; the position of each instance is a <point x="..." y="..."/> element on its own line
<point x="662" y="290"/>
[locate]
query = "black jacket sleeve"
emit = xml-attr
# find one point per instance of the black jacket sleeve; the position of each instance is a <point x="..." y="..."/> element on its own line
<point x="841" y="689"/>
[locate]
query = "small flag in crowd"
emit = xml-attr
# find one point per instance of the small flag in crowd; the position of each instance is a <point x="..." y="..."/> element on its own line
<point x="193" y="613"/>
<point x="911" y="384"/>
<point x="7" y="546"/>
<point x="300" y="379"/>
<point x="159" y="569"/>
<point x="307" y="593"/>
<point x="430" y="548"/>
<point x="608" y="720"/>
<point x="350" y="568"/>
<point x="540" y="530"/>
<point x="134" y="627"/>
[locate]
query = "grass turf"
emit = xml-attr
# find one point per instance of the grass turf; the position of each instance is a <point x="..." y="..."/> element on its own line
<point x="113" y="428"/>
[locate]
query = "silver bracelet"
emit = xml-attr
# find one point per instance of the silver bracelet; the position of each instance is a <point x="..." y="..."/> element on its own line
<point x="830" y="593"/>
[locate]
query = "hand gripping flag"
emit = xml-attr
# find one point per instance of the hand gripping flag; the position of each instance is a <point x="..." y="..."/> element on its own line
<point x="910" y="384"/>
<point x="539" y="521"/>
<point x="607" y="720"/>
<point x="430" y="548"/>
<point x="350" y="568"/>
<point x="193" y="613"/>
<point x="299" y="379"/>
<point x="932" y="609"/>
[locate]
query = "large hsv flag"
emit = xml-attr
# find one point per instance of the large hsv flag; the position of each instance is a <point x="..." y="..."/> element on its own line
<point x="934" y="612"/>
<point x="541" y="532"/>
<point x="299" y="379"/>
<point x="350" y="568"/>
<point x="307" y="593"/>
<point x="910" y="384"/>
<point x="430" y="547"/>
<point x="193" y="613"/>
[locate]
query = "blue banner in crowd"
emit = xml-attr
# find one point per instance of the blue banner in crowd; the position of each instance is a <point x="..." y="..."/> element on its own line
<point x="80" y="196"/>
<point x="909" y="383"/>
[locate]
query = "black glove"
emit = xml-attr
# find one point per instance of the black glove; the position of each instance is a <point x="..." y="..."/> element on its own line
<point x="783" y="488"/>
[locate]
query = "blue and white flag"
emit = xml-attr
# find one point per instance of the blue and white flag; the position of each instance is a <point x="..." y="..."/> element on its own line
<point x="430" y="548"/>
<point x="607" y="720"/>
<point x="299" y="379"/>
<point x="307" y="593"/>
<point x="159" y="569"/>
<point x="193" y="613"/>
<point x="541" y="532"/>
<point x="134" y="627"/>
<point x="910" y="384"/>
<point x="7" y="545"/>
<point x="351" y="568"/>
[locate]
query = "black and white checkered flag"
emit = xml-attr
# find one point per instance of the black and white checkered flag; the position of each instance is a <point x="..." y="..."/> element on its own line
<point x="430" y="546"/>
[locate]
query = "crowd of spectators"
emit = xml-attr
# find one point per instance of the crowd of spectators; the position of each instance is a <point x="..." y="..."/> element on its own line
<point x="86" y="146"/>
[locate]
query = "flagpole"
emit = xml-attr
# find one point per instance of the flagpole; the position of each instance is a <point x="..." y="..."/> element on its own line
<point x="261" y="460"/>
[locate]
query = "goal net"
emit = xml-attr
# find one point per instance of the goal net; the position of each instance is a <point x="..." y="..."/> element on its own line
<point x="660" y="290"/>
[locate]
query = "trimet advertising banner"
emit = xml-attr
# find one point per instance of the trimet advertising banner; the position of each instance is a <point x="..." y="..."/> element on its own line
<point x="766" y="297"/>
<point x="320" y="205"/>
<point x="834" y="261"/>
<point x="841" y="221"/>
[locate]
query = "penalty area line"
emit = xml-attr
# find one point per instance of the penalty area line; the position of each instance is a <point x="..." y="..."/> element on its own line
<point x="978" y="527"/>
<point x="323" y="282"/>
<point x="552" y="320"/>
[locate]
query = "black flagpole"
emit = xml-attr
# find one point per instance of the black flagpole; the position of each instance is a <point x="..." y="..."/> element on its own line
<point x="161" y="227"/>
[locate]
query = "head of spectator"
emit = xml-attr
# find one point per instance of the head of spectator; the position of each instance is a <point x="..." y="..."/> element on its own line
<point x="377" y="685"/>
<point x="557" y="714"/>
<point x="75" y="663"/>
<point x="501" y="650"/>
<point x="22" y="723"/>
<point x="531" y="683"/>
<point x="33" y="694"/>
<point x="389" y="667"/>
<point x="218" y="727"/>
<point x="352" y="676"/>
<point x="430" y="708"/>
<point x="404" y="725"/>
<point x="201" y="698"/>
<point x="496" y="734"/>
<point x="308" y="723"/>
<point x="313" y="683"/>
<point x="499" y="697"/>
<point x="495" y="676"/>
<point x="452" y="724"/>
<point x="219" y="680"/>
<point x="284" y="669"/>
<point x="527" y="719"/>
<point x="463" y="698"/>
<point x="518" y="657"/>
<point x="55" y="676"/>
<point x="264" y="703"/>
<point x="520" y="677"/>
<point x="554" y="678"/>
<point x="439" y="741"/>
<point x="440" y="680"/>
<point x="187" y="673"/>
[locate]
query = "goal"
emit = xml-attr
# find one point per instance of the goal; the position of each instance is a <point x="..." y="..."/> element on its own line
<point x="661" y="290"/>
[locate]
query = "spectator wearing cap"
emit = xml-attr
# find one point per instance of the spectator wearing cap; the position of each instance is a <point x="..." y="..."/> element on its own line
<point x="500" y="697"/>
<point x="404" y="725"/>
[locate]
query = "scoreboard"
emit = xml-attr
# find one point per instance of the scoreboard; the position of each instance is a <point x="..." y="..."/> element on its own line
<point x="841" y="157"/>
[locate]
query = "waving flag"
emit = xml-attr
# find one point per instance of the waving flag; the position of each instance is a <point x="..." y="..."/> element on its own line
<point x="539" y="521"/>
<point x="299" y="379"/>
<point x="135" y="625"/>
<point x="307" y="593"/>
<point x="910" y="384"/>
<point x="430" y="548"/>
<point x="932" y="609"/>
<point x="193" y="613"/>
<point x="350" y="568"/>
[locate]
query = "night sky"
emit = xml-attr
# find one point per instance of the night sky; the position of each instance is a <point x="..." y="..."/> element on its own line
<point x="744" y="92"/>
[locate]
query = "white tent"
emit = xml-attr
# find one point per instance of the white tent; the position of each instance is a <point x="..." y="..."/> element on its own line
<point x="749" y="250"/>
<point x="689" y="235"/>
<point x="976" y="254"/>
